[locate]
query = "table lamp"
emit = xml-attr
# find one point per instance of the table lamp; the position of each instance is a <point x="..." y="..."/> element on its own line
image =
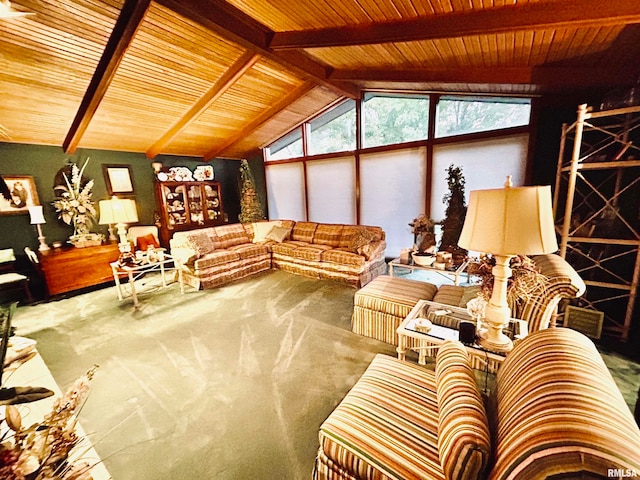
<point x="507" y="222"/>
<point x="119" y="211"/>
<point x="37" y="219"/>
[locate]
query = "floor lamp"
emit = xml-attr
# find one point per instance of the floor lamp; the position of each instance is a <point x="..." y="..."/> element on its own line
<point x="119" y="211"/>
<point x="506" y="222"/>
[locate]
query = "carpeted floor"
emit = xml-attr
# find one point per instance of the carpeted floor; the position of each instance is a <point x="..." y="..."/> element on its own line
<point x="231" y="383"/>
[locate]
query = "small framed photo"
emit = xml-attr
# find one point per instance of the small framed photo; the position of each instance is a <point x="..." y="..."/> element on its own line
<point x="20" y="193"/>
<point x="118" y="179"/>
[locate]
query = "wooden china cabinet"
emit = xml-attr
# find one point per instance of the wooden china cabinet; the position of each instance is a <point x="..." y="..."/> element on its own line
<point x="187" y="206"/>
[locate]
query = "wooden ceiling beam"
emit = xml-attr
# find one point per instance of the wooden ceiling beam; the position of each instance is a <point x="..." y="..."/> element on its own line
<point x="261" y="119"/>
<point x="224" y="83"/>
<point x="552" y="76"/>
<point x="233" y="24"/>
<point x="131" y="15"/>
<point x="577" y="13"/>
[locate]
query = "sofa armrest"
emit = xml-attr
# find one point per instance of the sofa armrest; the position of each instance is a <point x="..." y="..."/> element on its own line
<point x="563" y="282"/>
<point x="464" y="441"/>
<point x="560" y="413"/>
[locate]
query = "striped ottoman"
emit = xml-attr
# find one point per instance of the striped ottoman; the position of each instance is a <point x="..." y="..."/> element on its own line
<point x="381" y="305"/>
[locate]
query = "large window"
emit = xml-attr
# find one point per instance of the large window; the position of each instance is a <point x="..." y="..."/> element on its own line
<point x="286" y="191"/>
<point x="484" y="164"/>
<point x="332" y="190"/>
<point x="289" y="146"/>
<point x="390" y="119"/>
<point x="335" y="131"/>
<point x="459" y="115"/>
<point x="393" y="193"/>
<point x="399" y="172"/>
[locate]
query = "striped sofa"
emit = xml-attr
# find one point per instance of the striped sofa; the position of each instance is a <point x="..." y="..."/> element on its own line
<point x="555" y="412"/>
<point x="212" y="256"/>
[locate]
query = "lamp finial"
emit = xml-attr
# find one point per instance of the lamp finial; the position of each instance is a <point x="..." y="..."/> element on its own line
<point x="508" y="183"/>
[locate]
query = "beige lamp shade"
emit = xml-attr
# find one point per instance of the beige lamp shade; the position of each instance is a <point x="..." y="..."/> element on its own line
<point x="117" y="210"/>
<point x="510" y="221"/>
<point x="36" y="215"/>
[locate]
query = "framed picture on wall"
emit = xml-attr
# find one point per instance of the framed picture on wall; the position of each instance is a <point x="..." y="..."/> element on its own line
<point x="18" y="193"/>
<point x="118" y="179"/>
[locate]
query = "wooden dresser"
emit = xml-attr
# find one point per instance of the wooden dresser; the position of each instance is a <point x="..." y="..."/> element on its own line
<point x="70" y="268"/>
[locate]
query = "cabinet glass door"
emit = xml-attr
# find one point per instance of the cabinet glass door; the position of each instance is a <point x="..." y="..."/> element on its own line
<point x="212" y="199"/>
<point x="174" y="197"/>
<point x="196" y="212"/>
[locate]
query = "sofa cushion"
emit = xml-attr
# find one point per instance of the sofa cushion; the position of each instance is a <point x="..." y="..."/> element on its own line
<point x="261" y="229"/>
<point x="278" y="234"/>
<point x="216" y="257"/>
<point x="303" y="231"/>
<point x="464" y="443"/>
<point x="230" y="235"/>
<point x="386" y="426"/>
<point x="287" y="247"/>
<point x="145" y="241"/>
<point x="342" y="256"/>
<point x="327" y="234"/>
<point x="201" y="242"/>
<point x="312" y="253"/>
<point x="247" y="250"/>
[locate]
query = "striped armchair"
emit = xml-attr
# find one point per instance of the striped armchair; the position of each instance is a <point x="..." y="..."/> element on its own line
<point x="556" y="412"/>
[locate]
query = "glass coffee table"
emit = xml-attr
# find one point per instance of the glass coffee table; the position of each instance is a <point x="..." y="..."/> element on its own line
<point x="426" y="343"/>
<point x="450" y="274"/>
<point x="144" y="265"/>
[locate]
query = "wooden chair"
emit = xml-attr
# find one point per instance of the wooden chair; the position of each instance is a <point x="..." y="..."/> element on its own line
<point x="41" y="281"/>
<point x="10" y="279"/>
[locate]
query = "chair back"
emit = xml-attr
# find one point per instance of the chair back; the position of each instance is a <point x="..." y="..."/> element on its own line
<point x="138" y="231"/>
<point x="6" y="312"/>
<point x="32" y="256"/>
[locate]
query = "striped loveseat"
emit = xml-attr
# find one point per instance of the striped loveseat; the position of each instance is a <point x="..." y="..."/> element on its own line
<point x="555" y="413"/>
<point x="212" y="256"/>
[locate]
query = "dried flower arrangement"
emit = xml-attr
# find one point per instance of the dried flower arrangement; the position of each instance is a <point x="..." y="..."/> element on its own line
<point x="75" y="206"/>
<point x="424" y="237"/>
<point x="43" y="450"/>
<point x="525" y="280"/>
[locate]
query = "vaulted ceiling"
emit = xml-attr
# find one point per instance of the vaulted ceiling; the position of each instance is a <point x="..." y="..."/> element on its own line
<point x="213" y="78"/>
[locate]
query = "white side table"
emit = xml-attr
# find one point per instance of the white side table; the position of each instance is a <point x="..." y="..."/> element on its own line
<point x="409" y="338"/>
<point x="133" y="272"/>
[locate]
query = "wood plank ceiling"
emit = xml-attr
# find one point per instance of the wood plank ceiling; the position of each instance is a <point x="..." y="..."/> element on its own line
<point x="209" y="78"/>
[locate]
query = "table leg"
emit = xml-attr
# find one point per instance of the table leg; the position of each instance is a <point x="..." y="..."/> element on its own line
<point x="390" y="270"/>
<point x="164" y="282"/>
<point x="422" y="353"/>
<point x="133" y="290"/>
<point x="180" y="280"/>
<point x="402" y="347"/>
<point x="116" y="279"/>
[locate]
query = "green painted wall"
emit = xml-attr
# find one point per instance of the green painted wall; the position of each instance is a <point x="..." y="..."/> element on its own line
<point x="43" y="162"/>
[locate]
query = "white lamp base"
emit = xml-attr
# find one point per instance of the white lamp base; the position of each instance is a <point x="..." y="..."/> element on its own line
<point x="43" y="245"/>
<point x="497" y="312"/>
<point x="494" y="340"/>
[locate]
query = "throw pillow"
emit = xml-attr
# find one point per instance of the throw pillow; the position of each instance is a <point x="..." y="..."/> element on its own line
<point x="201" y="243"/>
<point x="261" y="229"/>
<point x="360" y="238"/>
<point x="463" y="427"/>
<point x="469" y="293"/>
<point x="277" y="234"/>
<point x="146" y="241"/>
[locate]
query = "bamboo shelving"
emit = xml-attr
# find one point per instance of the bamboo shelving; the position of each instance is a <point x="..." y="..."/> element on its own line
<point x="597" y="210"/>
